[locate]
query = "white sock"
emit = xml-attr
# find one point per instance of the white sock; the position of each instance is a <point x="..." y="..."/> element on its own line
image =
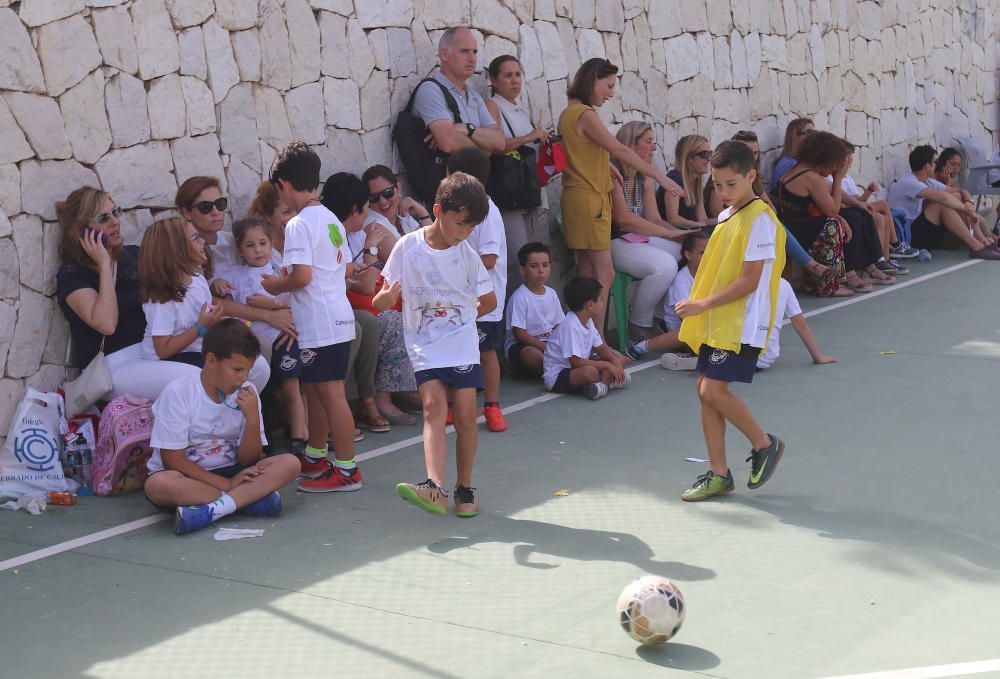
<point x="224" y="506"/>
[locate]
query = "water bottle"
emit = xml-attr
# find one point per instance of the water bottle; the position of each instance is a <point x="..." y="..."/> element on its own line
<point x="924" y="256"/>
<point x="86" y="458"/>
<point x="72" y="457"/>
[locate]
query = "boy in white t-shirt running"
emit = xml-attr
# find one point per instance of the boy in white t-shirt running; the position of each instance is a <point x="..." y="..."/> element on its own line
<point x="444" y="289"/>
<point x="533" y="311"/>
<point x="208" y="437"/>
<point x="319" y="260"/>
<point x="788" y="308"/>
<point x="489" y="240"/>
<point x="567" y="363"/>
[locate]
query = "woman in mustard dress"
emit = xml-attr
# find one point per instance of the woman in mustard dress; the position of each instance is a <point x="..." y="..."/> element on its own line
<point x="586" y="197"/>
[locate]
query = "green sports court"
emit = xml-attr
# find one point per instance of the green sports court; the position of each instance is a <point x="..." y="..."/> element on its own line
<point x="874" y="551"/>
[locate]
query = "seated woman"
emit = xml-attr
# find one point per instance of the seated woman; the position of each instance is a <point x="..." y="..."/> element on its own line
<point x="947" y="168"/>
<point x="97" y="287"/>
<point x="176" y="299"/>
<point x="348" y="197"/>
<point x="808" y="207"/>
<point x="796" y="132"/>
<point x="642" y="244"/>
<point x="691" y="166"/>
<point x="385" y="200"/>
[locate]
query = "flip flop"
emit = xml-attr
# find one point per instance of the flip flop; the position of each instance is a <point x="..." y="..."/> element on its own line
<point x="373" y="425"/>
<point x="404" y="420"/>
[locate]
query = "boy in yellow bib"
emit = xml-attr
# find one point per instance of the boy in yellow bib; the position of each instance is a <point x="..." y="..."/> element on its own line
<point x="729" y="316"/>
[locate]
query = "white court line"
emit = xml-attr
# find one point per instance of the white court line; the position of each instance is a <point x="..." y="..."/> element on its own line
<point x="933" y="672"/>
<point x="392" y="447"/>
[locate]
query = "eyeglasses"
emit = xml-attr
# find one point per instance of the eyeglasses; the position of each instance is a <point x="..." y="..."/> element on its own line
<point x="705" y="155"/>
<point x="196" y="237"/>
<point x="384" y="193"/>
<point x="205" y="206"/>
<point x="105" y="217"/>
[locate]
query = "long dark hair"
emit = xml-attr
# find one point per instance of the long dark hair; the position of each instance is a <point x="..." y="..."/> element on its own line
<point x="587" y="75"/>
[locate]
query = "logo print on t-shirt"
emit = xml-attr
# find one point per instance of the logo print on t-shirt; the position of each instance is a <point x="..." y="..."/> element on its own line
<point x="439" y="315"/>
<point x="335" y="236"/>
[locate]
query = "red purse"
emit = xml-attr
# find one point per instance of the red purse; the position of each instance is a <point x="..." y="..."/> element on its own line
<point x="551" y="162"/>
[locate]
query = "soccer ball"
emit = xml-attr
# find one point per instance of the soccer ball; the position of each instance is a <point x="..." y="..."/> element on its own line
<point x="651" y="610"/>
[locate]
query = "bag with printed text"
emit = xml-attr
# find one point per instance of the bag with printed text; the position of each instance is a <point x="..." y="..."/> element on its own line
<point x="30" y="459"/>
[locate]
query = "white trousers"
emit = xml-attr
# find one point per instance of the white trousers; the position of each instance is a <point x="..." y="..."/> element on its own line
<point x="654" y="264"/>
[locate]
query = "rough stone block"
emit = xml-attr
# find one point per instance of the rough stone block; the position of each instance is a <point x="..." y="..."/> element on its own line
<point x="119" y="168"/>
<point x="167" y="113"/>
<point x="13" y="144"/>
<point x="222" y="70"/>
<point x="64" y="67"/>
<point x="45" y="182"/>
<point x="33" y="313"/>
<point x="304" y="41"/>
<point x="199" y="104"/>
<point x="113" y="28"/>
<point x="20" y="68"/>
<point x="41" y="121"/>
<point x="125" y="98"/>
<point x="154" y="38"/>
<point x="197" y="157"/>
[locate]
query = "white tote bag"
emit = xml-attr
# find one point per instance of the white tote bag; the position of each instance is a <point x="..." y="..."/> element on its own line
<point x="29" y="460"/>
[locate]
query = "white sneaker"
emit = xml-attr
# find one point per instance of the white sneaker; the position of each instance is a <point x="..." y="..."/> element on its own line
<point x="595" y="391"/>
<point x="627" y="381"/>
<point x="672" y="361"/>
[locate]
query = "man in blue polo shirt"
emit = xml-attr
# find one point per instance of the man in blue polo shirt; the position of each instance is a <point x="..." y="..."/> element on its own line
<point x="457" y="51"/>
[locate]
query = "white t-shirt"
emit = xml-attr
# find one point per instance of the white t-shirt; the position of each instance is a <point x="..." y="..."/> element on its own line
<point x="248" y="281"/>
<point x="323" y="316"/>
<point x="225" y="255"/>
<point x="490" y="238"/>
<point x="166" y="319"/>
<point x="440" y="290"/>
<point x="570" y="338"/>
<point x="788" y="307"/>
<point x="680" y="290"/>
<point x="538" y="315"/>
<point x="760" y="246"/>
<point x="184" y="417"/>
<point x="847" y="185"/>
<point x="903" y="195"/>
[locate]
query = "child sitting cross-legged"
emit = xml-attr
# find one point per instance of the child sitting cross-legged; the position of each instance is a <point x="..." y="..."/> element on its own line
<point x="788" y="307"/>
<point x="208" y="436"/>
<point x="533" y="311"/>
<point x="568" y="368"/>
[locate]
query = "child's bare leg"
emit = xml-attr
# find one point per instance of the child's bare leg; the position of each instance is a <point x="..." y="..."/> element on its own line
<point x="532" y="359"/>
<point x="665" y="342"/>
<point x="295" y="409"/>
<point x="490" y="366"/>
<point x="330" y="416"/>
<point x="713" y="424"/>
<point x="716" y="393"/>
<point x="275" y="472"/>
<point x="607" y="377"/>
<point x="435" y="400"/>
<point x="170" y="488"/>
<point x="581" y="377"/>
<point x="468" y="434"/>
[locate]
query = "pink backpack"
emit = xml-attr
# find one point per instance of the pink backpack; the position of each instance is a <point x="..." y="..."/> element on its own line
<point x="122" y="446"/>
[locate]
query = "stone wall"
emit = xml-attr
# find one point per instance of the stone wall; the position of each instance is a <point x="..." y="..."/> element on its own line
<point x="135" y="95"/>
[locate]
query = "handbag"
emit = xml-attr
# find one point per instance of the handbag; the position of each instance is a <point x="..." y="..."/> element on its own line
<point x="94" y="381"/>
<point x="513" y="184"/>
<point x="551" y="162"/>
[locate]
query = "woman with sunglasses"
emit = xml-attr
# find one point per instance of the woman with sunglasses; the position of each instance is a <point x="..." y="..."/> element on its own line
<point x="795" y="134"/>
<point x="587" y="185"/>
<point x="506" y="82"/>
<point x="691" y="163"/>
<point x="401" y="213"/>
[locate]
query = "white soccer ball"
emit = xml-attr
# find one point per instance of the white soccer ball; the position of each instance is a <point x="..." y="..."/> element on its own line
<point x="651" y="610"/>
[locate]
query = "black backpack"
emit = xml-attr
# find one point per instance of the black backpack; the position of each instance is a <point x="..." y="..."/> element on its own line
<point x="424" y="167"/>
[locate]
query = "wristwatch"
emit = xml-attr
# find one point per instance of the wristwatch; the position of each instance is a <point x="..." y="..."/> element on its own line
<point x="470" y="128"/>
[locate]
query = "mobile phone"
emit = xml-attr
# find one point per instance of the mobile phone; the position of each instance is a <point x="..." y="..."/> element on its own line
<point x="104" y="236"/>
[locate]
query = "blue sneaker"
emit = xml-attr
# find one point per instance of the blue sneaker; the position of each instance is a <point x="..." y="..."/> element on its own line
<point x="634" y="351"/>
<point x="269" y="505"/>
<point x="190" y="519"/>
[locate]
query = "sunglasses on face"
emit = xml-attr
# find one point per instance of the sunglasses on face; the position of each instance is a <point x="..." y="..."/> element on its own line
<point x="105" y="217"/>
<point x="384" y="193"/>
<point x="205" y="206"/>
<point x="704" y="155"/>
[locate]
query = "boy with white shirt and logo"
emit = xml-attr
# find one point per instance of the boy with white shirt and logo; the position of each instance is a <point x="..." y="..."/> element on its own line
<point x="788" y="307"/>
<point x="533" y="311"/>
<point x="319" y="261"/>
<point x="444" y="288"/>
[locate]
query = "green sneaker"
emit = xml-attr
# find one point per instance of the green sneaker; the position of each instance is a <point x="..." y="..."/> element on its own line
<point x="709" y="485"/>
<point x="426" y="495"/>
<point x="763" y="462"/>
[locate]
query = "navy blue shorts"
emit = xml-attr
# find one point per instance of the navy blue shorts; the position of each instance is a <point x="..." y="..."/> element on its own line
<point x="324" y="364"/>
<point x="286" y="363"/>
<point x="491" y="335"/>
<point x="563" y="384"/>
<point x="225" y="472"/>
<point x="728" y="366"/>
<point x="514" y="358"/>
<point x="458" y="377"/>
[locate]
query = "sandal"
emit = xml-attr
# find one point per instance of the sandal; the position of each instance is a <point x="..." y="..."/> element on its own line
<point x="375" y="424"/>
<point x="403" y="420"/>
<point x="855" y="283"/>
<point x="817" y="270"/>
<point x="842" y="291"/>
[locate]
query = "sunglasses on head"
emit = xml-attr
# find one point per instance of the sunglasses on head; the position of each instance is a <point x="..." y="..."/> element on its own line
<point x="384" y="193"/>
<point x="806" y="133"/>
<point x="205" y="206"/>
<point x="105" y="217"/>
<point x="703" y="154"/>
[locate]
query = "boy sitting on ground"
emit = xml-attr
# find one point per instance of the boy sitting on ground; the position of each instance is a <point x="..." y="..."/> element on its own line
<point x="788" y="307"/>
<point x="208" y="437"/>
<point x="533" y="311"/>
<point x="568" y="368"/>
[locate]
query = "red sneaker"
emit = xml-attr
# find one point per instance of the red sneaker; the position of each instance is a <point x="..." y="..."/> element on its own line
<point x="309" y="469"/>
<point x="450" y="419"/>
<point x="333" y="480"/>
<point x="494" y="418"/>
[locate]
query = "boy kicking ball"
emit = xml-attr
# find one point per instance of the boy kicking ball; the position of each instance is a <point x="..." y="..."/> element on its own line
<point x="445" y="288"/>
<point x="730" y="315"/>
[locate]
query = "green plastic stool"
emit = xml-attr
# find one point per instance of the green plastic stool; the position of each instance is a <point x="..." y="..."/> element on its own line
<point x="619" y="295"/>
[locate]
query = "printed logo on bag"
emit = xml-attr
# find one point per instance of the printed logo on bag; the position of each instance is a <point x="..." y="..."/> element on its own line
<point x="288" y="363"/>
<point x="718" y="357"/>
<point x="307" y="356"/>
<point x="33" y="448"/>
